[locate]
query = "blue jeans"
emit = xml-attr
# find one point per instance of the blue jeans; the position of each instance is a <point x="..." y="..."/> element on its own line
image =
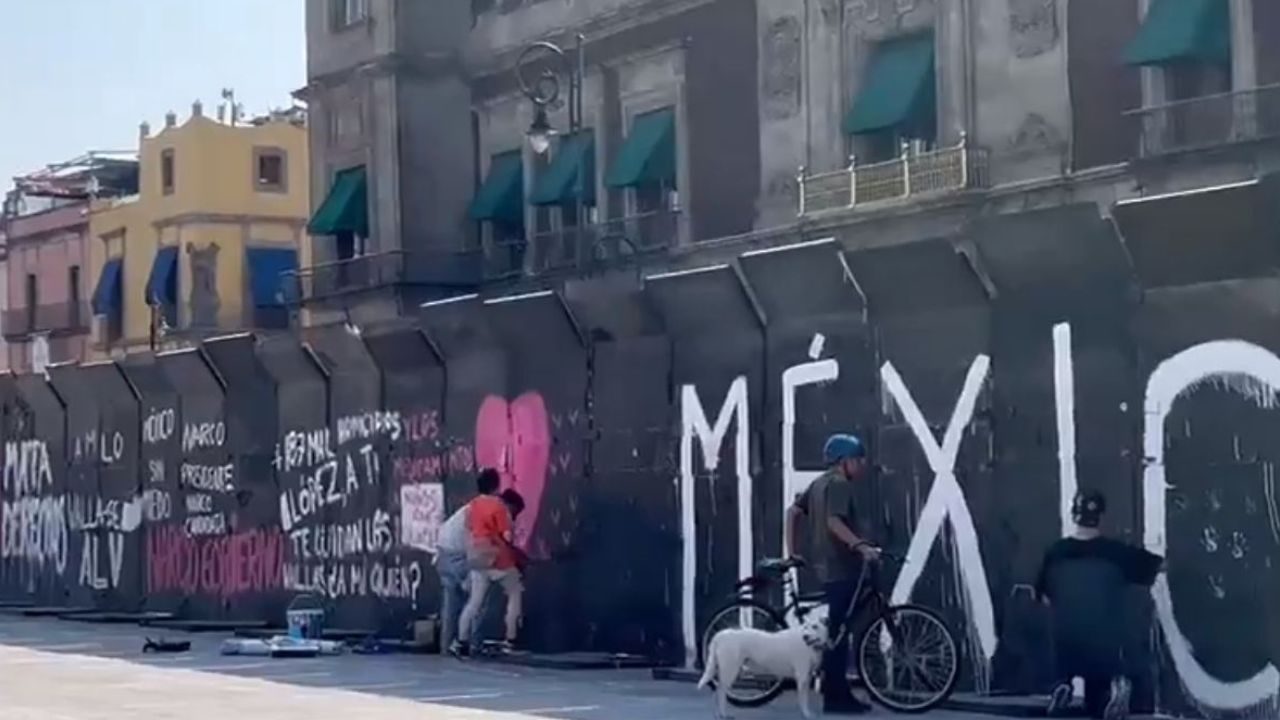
<point x="454" y="571"/>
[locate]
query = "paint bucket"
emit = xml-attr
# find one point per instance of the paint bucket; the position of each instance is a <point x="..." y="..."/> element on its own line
<point x="304" y="619"/>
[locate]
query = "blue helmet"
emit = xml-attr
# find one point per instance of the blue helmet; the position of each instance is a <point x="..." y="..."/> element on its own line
<point x="842" y="447"/>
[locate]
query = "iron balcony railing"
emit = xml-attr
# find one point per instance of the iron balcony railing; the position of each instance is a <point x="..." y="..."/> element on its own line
<point x="910" y="174"/>
<point x="52" y="318"/>
<point x="590" y="248"/>
<point x="1209" y="121"/>
<point x="382" y="270"/>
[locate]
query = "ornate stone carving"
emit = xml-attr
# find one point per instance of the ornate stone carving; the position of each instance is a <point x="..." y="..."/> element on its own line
<point x="1034" y="136"/>
<point x="880" y="18"/>
<point x="1033" y="26"/>
<point x="781" y="79"/>
<point x="203" y="301"/>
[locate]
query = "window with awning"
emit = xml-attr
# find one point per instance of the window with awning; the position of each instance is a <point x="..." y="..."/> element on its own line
<point x="501" y="196"/>
<point x="107" y="296"/>
<point x="1179" y="31"/>
<point x="571" y="174"/>
<point x="898" y="91"/>
<point x="267" y="267"/>
<point x="345" y="209"/>
<point x="162" y="283"/>
<point x="648" y="154"/>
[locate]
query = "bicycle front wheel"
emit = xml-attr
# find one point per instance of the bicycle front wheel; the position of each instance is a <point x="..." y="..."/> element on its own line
<point x="908" y="659"/>
<point x="752" y="688"/>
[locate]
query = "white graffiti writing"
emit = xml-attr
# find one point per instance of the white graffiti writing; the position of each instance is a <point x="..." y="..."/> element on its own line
<point x="209" y="478"/>
<point x="91" y="575"/>
<point x="35" y="530"/>
<point x="388" y="581"/>
<point x="301" y="449"/>
<point x="368" y="425"/>
<point x="199" y="436"/>
<point x="335" y="542"/>
<point x="158" y="426"/>
<point x="26" y="467"/>
<point x="332" y="483"/>
<point x="157" y="505"/>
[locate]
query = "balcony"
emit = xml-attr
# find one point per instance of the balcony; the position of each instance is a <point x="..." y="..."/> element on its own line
<point x="592" y="248"/>
<point x="390" y="270"/>
<point x="55" y="319"/>
<point x="1209" y="121"/>
<point x="909" y="175"/>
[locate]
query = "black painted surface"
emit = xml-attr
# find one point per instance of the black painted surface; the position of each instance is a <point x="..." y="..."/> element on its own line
<point x="583" y="399"/>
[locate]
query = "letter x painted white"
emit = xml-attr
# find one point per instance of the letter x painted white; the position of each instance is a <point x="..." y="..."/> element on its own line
<point x="946" y="500"/>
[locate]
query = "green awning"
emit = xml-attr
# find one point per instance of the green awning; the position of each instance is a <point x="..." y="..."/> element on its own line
<point x="648" y="155"/>
<point x="897" y="89"/>
<point x="562" y="182"/>
<point x="1180" y="30"/>
<point x="345" y="208"/>
<point x="501" y="197"/>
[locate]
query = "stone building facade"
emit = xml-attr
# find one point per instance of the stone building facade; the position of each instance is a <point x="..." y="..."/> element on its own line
<point x="1013" y="105"/>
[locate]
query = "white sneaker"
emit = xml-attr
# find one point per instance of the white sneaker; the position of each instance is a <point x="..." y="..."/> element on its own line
<point x="1060" y="699"/>
<point x="1118" y="705"/>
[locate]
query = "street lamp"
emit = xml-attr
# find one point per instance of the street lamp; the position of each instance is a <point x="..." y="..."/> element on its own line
<point x="538" y="71"/>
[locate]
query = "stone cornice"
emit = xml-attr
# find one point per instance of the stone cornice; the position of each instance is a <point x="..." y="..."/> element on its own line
<point x="479" y="62"/>
<point x="385" y="65"/>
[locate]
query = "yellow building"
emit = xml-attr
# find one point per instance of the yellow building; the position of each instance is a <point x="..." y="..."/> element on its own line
<point x="220" y="214"/>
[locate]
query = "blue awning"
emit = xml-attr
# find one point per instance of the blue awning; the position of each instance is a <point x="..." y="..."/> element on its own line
<point x="266" y="265"/>
<point x="107" y="298"/>
<point x="162" y="284"/>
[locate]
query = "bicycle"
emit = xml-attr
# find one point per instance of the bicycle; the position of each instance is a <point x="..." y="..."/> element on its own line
<point x="885" y="660"/>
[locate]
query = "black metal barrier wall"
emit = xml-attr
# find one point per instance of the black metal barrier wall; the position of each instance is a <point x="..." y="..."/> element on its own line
<point x="658" y="429"/>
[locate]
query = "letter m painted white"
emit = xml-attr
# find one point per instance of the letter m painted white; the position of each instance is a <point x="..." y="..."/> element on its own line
<point x="693" y="423"/>
<point x="946" y="502"/>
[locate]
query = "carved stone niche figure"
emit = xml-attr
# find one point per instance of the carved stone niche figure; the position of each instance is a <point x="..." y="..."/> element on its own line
<point x="781" y="79"/>
<point x="203" y="300"/>
<point x="1033" y="27"/>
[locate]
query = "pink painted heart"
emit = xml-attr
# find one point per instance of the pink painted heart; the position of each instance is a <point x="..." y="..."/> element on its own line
<point x="515" y="438"/>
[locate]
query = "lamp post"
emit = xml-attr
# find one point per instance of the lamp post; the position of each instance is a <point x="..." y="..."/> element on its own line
<point x="538" y="70"/>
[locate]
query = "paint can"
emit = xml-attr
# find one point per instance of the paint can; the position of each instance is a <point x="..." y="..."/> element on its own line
<point x="304" y="618"/>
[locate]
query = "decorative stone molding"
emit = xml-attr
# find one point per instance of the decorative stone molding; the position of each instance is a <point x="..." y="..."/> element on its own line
<point x="1033" y="27"/>
<point x="1035" y="136"/>
<point x="781" y="58"/>
<point x="879" y="19"/>
<point x="203" y="297"/>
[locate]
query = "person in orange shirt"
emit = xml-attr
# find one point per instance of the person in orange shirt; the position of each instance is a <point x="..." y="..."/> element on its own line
<point x="494" y="558"/>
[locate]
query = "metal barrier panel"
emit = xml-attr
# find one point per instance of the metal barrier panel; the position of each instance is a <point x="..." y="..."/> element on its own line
<point x="361" y="534"/>
<point x="932" y="324"/>
<point x="821" y="371"/>
<point x="537" y="434"/>
<point x="1206" y="341"/>
<point x="112" y="562"/>
<point x="630" y="500"/>
<point x="475" y="369"/>
<point x="247" y="438"/>
<point x="717" y="370"/>
<point x="312" y="478"/>
<point x="40" y="556"/>
<point x="83" y="458"/>
<point x="1061" y="400"/>
<point x="417" y="459"/>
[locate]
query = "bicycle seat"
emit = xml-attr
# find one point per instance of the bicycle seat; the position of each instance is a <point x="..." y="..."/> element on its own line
<point x="780" y="565"/>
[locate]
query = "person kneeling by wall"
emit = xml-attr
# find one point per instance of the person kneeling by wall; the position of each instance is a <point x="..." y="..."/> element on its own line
<point x="494" y="558"/>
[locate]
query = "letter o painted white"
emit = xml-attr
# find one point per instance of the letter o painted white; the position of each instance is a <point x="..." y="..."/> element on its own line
<point x="1219" y="359"/>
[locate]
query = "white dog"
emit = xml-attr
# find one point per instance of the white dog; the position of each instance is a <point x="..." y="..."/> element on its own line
<point x="795" y="652"/>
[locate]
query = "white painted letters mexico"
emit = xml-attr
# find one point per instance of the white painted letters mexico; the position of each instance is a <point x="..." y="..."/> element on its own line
<point x="1246" y="369"/>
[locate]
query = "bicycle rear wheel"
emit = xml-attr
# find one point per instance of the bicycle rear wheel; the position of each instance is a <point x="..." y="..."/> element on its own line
<point x="908" y="659"/>
<point x="752" y="689"/>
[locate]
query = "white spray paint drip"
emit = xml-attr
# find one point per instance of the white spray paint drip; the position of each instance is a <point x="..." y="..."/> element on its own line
<point x="1064" y="390"/>
<point x="693" y="420"/>
<point x="816" y="345"/>
<point x="1229" y="360"/>
<point x="1269" y="490"/>
<point x="794" y="480"/>
<point x="946" y="501"/>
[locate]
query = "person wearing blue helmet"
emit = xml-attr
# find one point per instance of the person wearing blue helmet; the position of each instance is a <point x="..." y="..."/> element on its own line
<point x="839" y="554"/>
